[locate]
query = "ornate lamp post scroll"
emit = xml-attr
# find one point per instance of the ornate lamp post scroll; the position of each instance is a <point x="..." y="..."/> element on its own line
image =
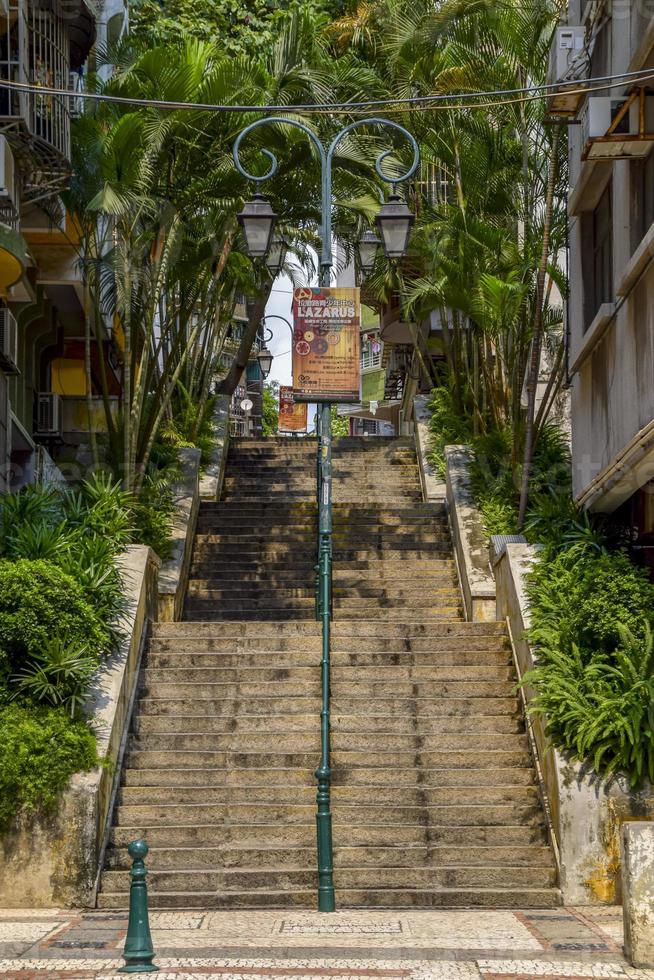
<point x="393" y="211"/>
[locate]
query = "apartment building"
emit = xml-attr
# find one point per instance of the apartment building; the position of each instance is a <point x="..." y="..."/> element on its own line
<point x="42" y="302"/>
<point x="611" y="245"/>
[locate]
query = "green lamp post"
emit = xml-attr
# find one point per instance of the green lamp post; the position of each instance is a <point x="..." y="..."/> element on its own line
<point x="394" y="221"/>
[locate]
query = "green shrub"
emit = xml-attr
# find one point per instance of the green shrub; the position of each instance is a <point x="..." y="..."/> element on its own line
<point x="584" y="597"/>
<point x="39" y="601"/>
<point x="447" y="428"/>
<point x="40" y="749"/>
<point x="100" y="508"/>
<point x="153" y="516"/>
<point x="602" y="709"/>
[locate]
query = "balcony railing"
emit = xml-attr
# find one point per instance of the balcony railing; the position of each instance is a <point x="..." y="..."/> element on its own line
<point x="34" y="48"/>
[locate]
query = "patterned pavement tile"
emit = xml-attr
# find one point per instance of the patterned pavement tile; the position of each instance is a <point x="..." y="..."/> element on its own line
<point x="554" y="969"/>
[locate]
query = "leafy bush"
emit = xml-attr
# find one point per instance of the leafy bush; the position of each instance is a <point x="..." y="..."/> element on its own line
<point x="447" y="428"/>
<point x="583" y="598"/>
<point x="40" y="749"/>
<point x="602" y="709"/>
<point x="153" y="516"/>
<point x="39" y="601"/>
<point x="592" y="609"/>
<point x="191" y="426"/>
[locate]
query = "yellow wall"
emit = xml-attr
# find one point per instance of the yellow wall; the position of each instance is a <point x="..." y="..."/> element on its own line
<point x="68" y="377"/>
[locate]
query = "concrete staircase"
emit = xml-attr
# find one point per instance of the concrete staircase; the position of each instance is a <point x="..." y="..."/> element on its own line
<point x="435" y="802"/>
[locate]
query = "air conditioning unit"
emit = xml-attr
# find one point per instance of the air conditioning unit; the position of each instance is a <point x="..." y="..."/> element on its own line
<point x="611" y="128"/>
<point x="8" y="342"/>
<point x="568" y="62"/>
<point x="8" y="181"/>
<point x="48" y="414"/>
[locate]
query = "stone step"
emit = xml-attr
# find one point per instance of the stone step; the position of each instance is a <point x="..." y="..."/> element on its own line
<point x="342" y="689"/>
<point x="211" y="835"/>
<point x="406" y="551"/>
<point x="445" y="599"/>
<point x="399" y="707"/>
<point x="343" y="760"/>
<point x="436" y="572"/>
<point x="301" y="817"/>
<point x="372" y="627"/>
<point x="409" y="856"/>
<point x="209" y="611"/>
<point x="346" y="675"/>
<point x="304" y="537"/>
<point x="342" y="795"/>
<point x="267" y="588"/>
<point x="368" y="725"/>
<point x="432" y="649"/>
<point x="344" y="745"/>
<point x="212" y="566"/>
<point x="340" y="658"/>
<point x="389" y="778"/>
<point x="419" y="512"/>
<point x="491" y="898"/>
<point x="342" y="495"/>
<point x="265" y="876"/>
<point x="344" y="516"/>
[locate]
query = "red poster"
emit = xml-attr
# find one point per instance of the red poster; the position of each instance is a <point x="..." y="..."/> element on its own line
<point x="292" y="414"/>
<point x="327" y="344"/>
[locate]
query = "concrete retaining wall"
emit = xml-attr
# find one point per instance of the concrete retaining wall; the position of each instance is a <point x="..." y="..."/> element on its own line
<point x="638" y="893"/>
<point x="587" y="812"/>
<point x="54" y="861"/>
<point x="470" y="546"/>
<point x="211" y="480"/>
<point x="433" y="487"/>
<point x="173" y="577"/>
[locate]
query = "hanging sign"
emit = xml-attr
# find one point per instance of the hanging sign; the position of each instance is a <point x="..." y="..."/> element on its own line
<point x="292" y="415"/>
<point x="326" y="344"/>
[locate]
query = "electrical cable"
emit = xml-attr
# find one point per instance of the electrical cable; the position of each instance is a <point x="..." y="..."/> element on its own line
<point x="431" y="102"/>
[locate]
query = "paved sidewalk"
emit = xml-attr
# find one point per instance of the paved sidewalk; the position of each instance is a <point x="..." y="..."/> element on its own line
<point x="349" y="945"/>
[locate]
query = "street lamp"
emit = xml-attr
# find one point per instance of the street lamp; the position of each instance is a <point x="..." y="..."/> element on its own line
<point x="265" y="359"/>
<point x="394" y="222"/>
<point x="257" y="219"/>
<point x="367" y="246"/>
<point x="277" y="255"/>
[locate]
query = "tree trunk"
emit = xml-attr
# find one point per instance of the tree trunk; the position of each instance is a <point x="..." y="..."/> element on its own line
<point x="230" y="382"/>
<point x="537" y="341"/>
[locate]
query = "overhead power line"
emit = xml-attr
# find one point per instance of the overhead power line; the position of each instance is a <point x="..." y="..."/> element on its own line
<point x="428" y="102"/>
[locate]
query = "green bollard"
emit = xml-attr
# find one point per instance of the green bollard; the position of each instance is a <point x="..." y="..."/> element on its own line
<point x="138" y="952"/>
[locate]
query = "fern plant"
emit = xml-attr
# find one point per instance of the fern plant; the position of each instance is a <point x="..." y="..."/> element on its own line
<point x="57" y="675"/>
<point x="603" y="709"/>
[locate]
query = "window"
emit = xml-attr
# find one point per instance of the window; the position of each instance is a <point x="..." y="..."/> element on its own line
<point x="642" y="199"/>
<point x="598" y="256"/>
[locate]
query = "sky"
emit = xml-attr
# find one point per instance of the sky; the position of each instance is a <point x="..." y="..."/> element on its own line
<point x="280" y="302"/>
<point x="280" y="305"/>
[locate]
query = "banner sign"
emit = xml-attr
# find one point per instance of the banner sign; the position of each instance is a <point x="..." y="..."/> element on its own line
<point x="292" y="415"/>
<point x="326" y="344"/>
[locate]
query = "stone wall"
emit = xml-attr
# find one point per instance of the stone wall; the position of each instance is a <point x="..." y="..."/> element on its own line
<point x="173" y="577"/>
<point x="54" y="861"/>
<point x="470" y="546"/>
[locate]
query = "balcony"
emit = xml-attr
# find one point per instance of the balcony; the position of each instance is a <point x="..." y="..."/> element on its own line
<point x="38" y="45"/>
